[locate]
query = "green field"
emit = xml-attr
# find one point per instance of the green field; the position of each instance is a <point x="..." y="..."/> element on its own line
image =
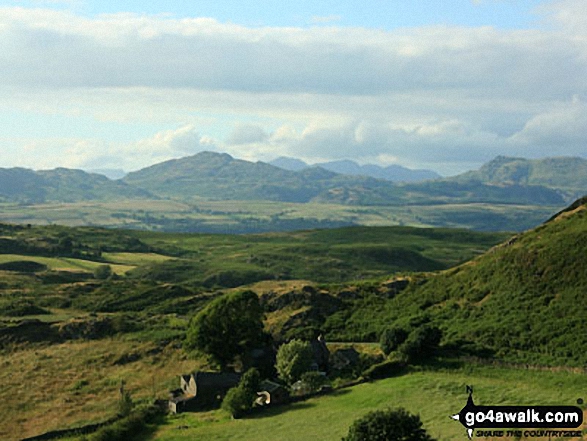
<point x="433" y="394"/>
<point x="134" y="259"/>
<point x="66" y="263"/>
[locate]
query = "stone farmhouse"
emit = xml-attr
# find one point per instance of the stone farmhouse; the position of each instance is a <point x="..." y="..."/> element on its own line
<point x="201" y="390"/>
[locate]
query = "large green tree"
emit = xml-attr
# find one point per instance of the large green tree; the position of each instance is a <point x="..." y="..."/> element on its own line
<point x="294" y="359"/>
<point x="228" y="327"/>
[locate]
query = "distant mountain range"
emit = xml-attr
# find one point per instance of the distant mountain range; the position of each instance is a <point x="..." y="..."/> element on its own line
<point x="552" y="181"/>
<point x="220" y="176"/>
<point x="394" y="173"/>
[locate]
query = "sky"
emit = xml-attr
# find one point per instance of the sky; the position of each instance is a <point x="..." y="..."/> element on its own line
<point x="443" y="85"/>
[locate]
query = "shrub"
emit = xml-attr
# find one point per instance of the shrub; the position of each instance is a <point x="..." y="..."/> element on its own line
<point x="421" y="342"/>
<point x="250" y="382"/>
<point x="236" y="402"/>
<point x="125" y="403"/>
<point x="240" y="399"/>
<point x="24" y="266"/>
<point x="386" y="369"/>
<point x="392" y="338"/>
<point x="387" y="425"/>
<point x="128" y="427"/>
<point x="314" y="381"/>
<point x="103" y="272"/>
<point x="21" y="308"/>
<point x="293" y="359"/>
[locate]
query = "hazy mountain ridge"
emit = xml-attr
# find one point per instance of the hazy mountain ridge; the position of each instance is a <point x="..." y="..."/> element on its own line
<point x="394" y="173"/>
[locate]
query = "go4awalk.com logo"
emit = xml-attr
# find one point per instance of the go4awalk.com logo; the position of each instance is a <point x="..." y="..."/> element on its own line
<point x="528" y="421"/>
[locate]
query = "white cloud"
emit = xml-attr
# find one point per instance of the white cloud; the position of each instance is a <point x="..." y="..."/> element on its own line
<point x="169" y="144"/>
<point x="94" y="153"/>
<point x="59" y="49"/>
<point x="325" y="19"/>
<point x="448" y="146"/>
<point x="569" y="15"/>
<point x="565" y="125"/>
<point x="419" y="96"/>
<point x="247" y="134"/>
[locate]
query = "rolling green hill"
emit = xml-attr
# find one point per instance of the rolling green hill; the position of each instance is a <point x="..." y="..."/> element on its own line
<point x="333" y="255"/>
<point x="522" y="300"/>
<point x="163" y="271"/>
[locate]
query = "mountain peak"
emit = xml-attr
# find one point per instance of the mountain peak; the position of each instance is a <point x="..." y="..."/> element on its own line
<point x="207" y="154"/>
<point x="288" y="163"/>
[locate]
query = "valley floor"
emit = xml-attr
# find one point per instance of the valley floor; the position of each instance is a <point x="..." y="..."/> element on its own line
<point x="264" y="216"/>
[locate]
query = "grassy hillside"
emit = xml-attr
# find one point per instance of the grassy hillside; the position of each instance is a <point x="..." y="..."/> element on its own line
<point x="523" y="300"/>
<point x="45" y="268"/>
<point x="52" y="267"/>
<point x="79" y="336"/>
<point x="74" y="383"/>
<point x="319" y="255"/>
<point x="63" y="263"/>
<point x="434" y="395"/>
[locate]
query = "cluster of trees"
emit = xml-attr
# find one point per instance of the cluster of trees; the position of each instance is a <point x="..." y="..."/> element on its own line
<point x="229" y="329"/>
<point x="411" y="344"/>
